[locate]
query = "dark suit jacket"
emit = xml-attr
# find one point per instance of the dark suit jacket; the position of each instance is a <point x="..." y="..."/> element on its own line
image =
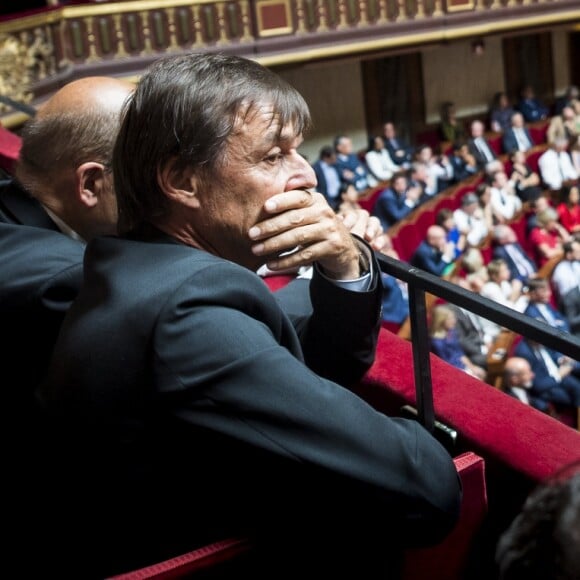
<point x="185" y="386"/>
<point x="499" y="252"/>
<point x="429" y="259"/>
<point x="401" y="154"/>
<point x="470" y="338"/>
<point x="322" y="187"/>
<point x="479" y="157"/>
<point x="560" y="322"/>
<point x="545" y="386"/>
<point x="570" y="306"/>
<point x="510" y="142"/>
<point x="390" y="208"/>
<point x="41" y="274"/>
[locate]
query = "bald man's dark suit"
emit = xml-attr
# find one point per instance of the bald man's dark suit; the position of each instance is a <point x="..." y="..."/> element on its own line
<point x="41" y="274"/>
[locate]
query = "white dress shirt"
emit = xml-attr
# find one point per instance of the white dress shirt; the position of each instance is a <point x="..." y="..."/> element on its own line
<point x="555" y="168"/>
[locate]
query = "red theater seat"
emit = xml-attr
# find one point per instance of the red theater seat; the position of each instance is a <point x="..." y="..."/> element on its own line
<point x="9" y="149"/>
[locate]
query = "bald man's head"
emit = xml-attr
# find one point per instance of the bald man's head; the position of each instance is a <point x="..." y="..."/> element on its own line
<point x="78" y="123"/>
<point x="518" y="373"/>
<point x="436" y="237"/>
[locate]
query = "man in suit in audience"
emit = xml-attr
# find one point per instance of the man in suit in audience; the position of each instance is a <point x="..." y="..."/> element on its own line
<point x="179" y="374"/>
<point x="61" y="197"/>
<point x="507" y="248"/>
<point x="434" y="253"/>
<point x="397" y="201"/>
<point x="556" y="378"/>
<point x="479" y="145"/>
<point x="566" y="281"/>
<point x="472" y="336"/>
<point x="517" y="137"/>
<point x="327" y="176"/>
<point x="539" y="306"/>
<point x="518" y="380"/>
<point x="399" y="150"/>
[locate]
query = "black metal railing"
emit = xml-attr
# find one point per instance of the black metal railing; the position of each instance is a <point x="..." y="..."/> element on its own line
<point x="419" y="282"/>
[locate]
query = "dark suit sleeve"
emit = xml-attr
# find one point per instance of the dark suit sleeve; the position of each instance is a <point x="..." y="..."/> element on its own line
<point x="338" y="328"/>
<point x="245" y="384"/>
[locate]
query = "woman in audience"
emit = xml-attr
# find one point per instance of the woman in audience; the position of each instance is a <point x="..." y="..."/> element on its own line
<point x="569" y="208"/>
<point x="378" y="160"/>
<point x="502" y="288"/>
<point x="548" y="236"/>
<point x="526" y="181"/>
<point x="348" y="199"/>
<point x="483" y="193"/>
<point x="445" y="342"/>
<point x="450" y="129"/>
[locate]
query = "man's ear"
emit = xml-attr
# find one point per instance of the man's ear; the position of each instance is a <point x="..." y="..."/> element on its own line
<point x="178" y="183"/>
<point x="90" y="183"/>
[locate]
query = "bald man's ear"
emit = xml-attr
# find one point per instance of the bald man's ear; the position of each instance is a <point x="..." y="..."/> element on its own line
<point x="178" y="183"/>
<point x="91" y="182"/>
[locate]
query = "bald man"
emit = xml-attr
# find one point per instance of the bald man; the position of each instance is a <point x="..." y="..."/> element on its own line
<point x="434" y="253"/>
<point x="61" y="197"/>
<point x="518" y="379"/>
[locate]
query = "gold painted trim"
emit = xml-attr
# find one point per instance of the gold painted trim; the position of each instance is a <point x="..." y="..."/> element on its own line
<point x="413" y="39"/>
<point x="469" y="5"/>
<point x="265" y="32"/>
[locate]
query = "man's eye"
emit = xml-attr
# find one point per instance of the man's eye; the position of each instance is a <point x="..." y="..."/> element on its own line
<point x="275" y="157"/>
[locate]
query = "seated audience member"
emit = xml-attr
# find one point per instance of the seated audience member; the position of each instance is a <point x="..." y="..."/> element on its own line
<point x="543" y="541"/>
<point x="563" y="127"/>
<point x="483" y="192"/>
<point x="517" y="381"/>
<point x="450" y="128"/>
<point x="556" y="378"/>
<point x="472" y="336"/>
<point x="396" y="201"/>
<point x="349" y="166"/>
<point x="540" y="307"/>
<point x="446" y="220"/>
<point x="500" y="112"/>
<point x="328" y="180"/>
<point x="395" y="301"/>
<point x="475" y="282"/>
<point x="472" y="262"/>
<point x="434" y="254"/>
<point x="548" y="236"/>
<point x="399" y="150"/>
<point x="536" y="207"/>
<point x="517" y="137"/>
<point x="568" y="99"/>
<point x="566" y="282"/>
<point x="63" y="193"/>
<point x="445" y="342"/>
<point x="569" y="208"/>
<point x="469" y="218"/>
<point x="525" y="180"/>
<point x="60" y="198"/>
<point x="348" y="199"/>
<point x="191" y="355"/>
<point x="532" y="108"/>
<point x="502" y="288"/>
<point x="507" y="248"/>
<point x="575" y="151"/>
<point x="479" y="146"/>
<point x="505" y="204"/>
<point x="555" y="166"/>
<point x="462" y="161"/>
<point x="439" y="169"/>
<point x="379" y="162"/>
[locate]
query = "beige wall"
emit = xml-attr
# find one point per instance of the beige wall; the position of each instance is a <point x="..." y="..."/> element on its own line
<point x="455" y="73"/>
<point x="335" y="95"/>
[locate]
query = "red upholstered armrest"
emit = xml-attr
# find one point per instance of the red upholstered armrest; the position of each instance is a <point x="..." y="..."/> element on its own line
<point x="449" y="559"/>
<point x="187" y="564"/>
